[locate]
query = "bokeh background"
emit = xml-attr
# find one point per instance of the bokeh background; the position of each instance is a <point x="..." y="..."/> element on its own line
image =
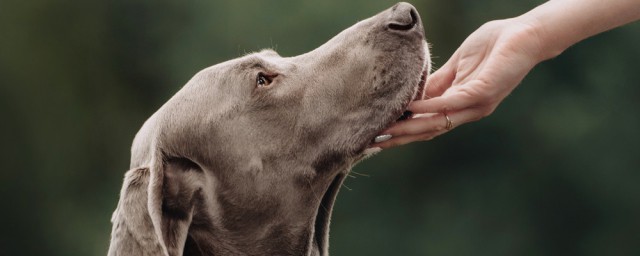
<point x="554" y="171"/>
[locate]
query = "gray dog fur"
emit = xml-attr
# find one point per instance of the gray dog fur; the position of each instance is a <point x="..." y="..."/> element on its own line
<point x="227" y="167"/>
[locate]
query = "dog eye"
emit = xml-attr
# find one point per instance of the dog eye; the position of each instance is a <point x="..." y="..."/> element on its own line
<point x="263" y="80"/>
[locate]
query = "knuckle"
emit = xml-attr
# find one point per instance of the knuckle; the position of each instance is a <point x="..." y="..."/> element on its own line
<point x="485" y="111"/>
<point x="489" y="110"/>
<point x="426" y="137"/>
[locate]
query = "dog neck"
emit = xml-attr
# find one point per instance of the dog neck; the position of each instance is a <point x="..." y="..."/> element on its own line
<point x="289" y="217"/>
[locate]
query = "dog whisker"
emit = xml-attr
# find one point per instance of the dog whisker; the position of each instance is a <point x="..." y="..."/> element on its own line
<point x="361" y="174"/>
<point x="316" y="195"/>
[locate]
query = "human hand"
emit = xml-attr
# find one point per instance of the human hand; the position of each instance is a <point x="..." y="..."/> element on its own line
<point x="488" y="65"/>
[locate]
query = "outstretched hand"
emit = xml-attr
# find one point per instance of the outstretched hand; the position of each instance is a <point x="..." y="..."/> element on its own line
<point x="488" y="65"/>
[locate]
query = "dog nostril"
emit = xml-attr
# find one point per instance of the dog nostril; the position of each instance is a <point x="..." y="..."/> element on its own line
<point x="403" y="22"/>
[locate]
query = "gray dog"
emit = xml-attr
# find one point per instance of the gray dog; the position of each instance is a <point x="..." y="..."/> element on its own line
<point x="247" y="158"/>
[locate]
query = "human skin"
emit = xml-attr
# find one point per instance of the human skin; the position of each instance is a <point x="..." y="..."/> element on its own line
<point x="495" y="58"/>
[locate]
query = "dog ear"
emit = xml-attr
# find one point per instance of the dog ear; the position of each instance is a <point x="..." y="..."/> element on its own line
<point x="156" y="208"/>
<point x="133" y="232"/>
<point x="181" y="194"/>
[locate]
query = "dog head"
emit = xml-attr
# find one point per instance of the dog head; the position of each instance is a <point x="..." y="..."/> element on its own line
<point x="251" y="152"/>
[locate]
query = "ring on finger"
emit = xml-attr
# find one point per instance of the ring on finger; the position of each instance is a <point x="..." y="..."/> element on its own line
<point x="449" y="124"/>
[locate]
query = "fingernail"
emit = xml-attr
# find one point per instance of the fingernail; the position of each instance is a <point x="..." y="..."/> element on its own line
<point x="381" y="138"/>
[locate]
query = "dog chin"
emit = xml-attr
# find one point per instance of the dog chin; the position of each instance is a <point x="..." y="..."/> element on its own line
<point x="370" y="152"/>
<point x="418" y="94"/>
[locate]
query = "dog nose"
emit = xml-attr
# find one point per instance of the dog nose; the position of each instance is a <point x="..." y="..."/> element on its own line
<point x="404" y="17"/>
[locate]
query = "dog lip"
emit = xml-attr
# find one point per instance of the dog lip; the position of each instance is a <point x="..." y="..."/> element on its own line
<point x="419" y="94"/>
<point x="421" y="85"/>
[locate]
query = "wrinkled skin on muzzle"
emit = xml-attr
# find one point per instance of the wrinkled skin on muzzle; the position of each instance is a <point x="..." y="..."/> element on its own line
<point x="248" y="156"/>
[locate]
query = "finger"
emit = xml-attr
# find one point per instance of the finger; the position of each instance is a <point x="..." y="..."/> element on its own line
<point x="457" y="100"/>
<point x="402" y="140"/>
<point x="409" y="136"/>
<point x="440" y="81"/>
<point x="417" y="125"/>
<point x="432" y="123"/>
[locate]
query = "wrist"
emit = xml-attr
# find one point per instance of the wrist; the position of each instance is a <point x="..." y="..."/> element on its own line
<point x="562" y="23"/>
<point x="549" y="45"/>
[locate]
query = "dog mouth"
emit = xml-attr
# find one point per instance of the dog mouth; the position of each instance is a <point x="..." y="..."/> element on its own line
<point x="404" y="113"/>
<point x="418" y="95"/>
<point x="400" y="112"/>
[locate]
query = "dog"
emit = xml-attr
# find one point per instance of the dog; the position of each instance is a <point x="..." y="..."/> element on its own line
<point x="248" y="157"/>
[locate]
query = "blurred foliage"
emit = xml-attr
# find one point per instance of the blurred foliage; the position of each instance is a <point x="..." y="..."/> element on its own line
<point x="554" y="171"/>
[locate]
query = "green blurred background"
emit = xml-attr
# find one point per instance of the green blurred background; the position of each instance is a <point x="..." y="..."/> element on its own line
<point x="554" y="171"/>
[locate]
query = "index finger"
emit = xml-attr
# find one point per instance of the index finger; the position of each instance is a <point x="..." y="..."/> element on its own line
<point x="451" y="102"/>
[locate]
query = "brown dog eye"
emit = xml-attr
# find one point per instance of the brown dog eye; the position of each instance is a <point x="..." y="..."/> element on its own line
<point x="263" y="80"/>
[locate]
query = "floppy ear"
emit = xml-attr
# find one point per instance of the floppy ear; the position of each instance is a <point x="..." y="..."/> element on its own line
<point x="156" y="209"/>
<point x="133" y="232"/>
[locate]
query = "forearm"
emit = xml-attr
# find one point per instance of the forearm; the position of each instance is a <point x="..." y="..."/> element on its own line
<point x="562" y="23"/>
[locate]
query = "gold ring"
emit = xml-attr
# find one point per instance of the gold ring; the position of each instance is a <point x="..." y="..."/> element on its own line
<point x="449" y="124"/>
